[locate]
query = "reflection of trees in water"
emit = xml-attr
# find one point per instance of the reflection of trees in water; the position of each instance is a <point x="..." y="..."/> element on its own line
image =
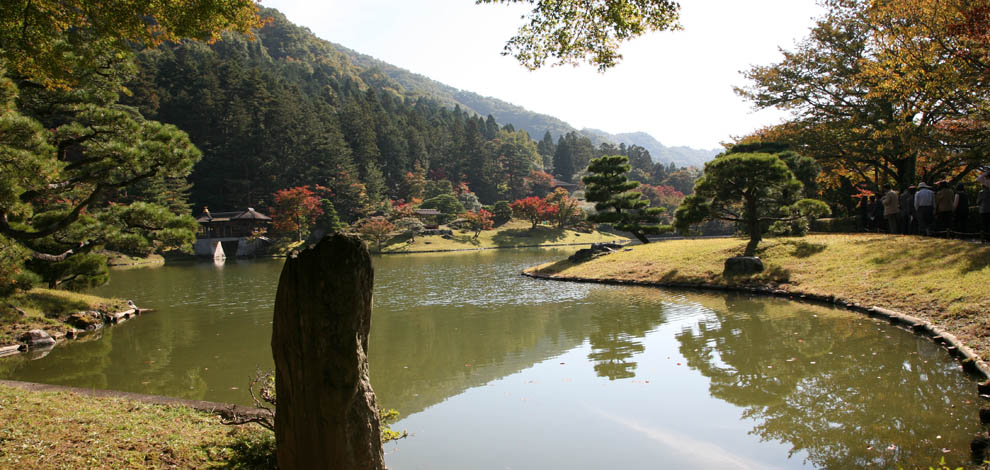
<point x="421" y="356"/>
<point x="615" y="339"/>
<point x="120" y="359"/>
<point x="848" y="408"/>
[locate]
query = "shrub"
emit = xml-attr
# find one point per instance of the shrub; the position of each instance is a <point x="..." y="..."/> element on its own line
<point x="502" y="212"/>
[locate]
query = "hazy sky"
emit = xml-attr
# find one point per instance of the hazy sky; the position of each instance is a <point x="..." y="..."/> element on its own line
<point x="676" y="86"/>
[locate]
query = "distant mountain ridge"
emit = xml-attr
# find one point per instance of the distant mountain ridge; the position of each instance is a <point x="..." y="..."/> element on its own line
<point x="535" y="124"/>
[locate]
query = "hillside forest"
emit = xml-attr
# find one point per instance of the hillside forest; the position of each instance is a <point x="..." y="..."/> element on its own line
<point x="116" y="138"/>
<point x="288" y="109"/>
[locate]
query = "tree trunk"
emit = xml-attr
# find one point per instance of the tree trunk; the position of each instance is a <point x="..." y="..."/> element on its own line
<point x="642" y="238"/>
<point x="754" y="241"/>
<point x="326" y="414"/>
<point x="905" y="173"/>
<point x="752" y="225"/>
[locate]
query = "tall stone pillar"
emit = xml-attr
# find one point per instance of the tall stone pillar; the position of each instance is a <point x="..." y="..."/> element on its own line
<point x="326" y="416"/>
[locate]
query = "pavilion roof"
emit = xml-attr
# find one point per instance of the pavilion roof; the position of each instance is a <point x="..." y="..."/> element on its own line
<point x="249" y="214"/>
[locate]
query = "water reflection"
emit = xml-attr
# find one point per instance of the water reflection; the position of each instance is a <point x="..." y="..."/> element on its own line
<point x="829" y="387"/>
<point x="492" y="369"/>
<point x="616" y="338"/>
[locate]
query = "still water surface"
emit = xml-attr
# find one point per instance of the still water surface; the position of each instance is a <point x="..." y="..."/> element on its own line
<point x="493" y="370"/>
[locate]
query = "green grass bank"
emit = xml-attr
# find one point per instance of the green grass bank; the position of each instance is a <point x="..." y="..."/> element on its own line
<point x="946" y="282"/>
<point x="65" y="430"/>
<point x="513" y="234"/>
<point x="50" y="310"/>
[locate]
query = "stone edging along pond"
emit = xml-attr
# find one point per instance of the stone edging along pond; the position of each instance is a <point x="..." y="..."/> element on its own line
<point x="102" y="321"/>
<point x="971" y="362"/>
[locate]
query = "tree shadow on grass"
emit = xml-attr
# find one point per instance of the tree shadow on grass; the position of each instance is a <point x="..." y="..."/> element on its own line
<point x="675" y="276"/>
<point x="556" y="267"/>
<point x="535" y="236"/>
<point x="975" y="256"/>
<point x="249" y="450"/>
<point x="776" y="274"/>
<point x="466" y="239"/>
<point x="979" y="259"/>
<point x="803" y="249"/>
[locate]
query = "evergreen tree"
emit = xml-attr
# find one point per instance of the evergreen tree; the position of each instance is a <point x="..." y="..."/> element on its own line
<point x="491" y="128"/>
<point x="517" y="157"/>
<point x="374" y="183"/>
<point x="64" y="154"/>
<point x="639" y="158"/>
<point x="615" y="200"/>
<point x="751" y="189"/>
<point x="563" y="160"/>
<point x="582" y="151"/>
<point x="547" y="148"/>
<point x="502" y="212"/>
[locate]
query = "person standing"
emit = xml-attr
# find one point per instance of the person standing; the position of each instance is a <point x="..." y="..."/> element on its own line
<point x="960" y="210"/>
<point x="863" y="214"/>
<point x="983" y="201"/>
<point x="891" y="208"/>
<point x="924" y="206"/>
<point x="908" y="218"/>
<point x="943" y="206"/>
<point x="876" y="214"/>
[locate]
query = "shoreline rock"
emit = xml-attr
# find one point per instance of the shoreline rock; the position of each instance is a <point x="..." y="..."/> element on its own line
<point x="79" y="324"/>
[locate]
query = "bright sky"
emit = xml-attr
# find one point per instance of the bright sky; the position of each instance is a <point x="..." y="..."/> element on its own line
<point x="676" y="86"/>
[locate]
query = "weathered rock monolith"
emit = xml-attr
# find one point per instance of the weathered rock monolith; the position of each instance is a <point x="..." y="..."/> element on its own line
<point x="326" y="416"/>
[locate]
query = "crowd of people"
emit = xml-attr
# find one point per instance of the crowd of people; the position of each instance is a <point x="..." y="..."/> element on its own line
<point x="927" y="210"/>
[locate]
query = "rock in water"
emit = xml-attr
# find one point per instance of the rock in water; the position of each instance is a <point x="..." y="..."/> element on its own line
<point x="326" y="415"/>
<point x="37" y="339"/>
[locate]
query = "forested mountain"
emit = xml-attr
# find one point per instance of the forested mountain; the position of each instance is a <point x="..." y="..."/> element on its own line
<point x="534" y="123"/>
<point x="289" y="109"/>
<point x="418" y="85"/>
<point x="680" y="155"/>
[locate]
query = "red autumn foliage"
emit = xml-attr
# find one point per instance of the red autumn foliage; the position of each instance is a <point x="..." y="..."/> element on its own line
<point x="375" y="229"/>
<point x="481" y="220"/>
<point x="295" y="209"/>
<point x="535" y="209"/>
<point x="539" y="182"/>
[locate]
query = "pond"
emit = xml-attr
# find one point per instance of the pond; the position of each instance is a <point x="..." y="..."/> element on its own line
<point x="494" y="370"/>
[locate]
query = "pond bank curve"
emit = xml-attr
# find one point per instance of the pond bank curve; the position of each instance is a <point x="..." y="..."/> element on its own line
<point x="971" y="362"/>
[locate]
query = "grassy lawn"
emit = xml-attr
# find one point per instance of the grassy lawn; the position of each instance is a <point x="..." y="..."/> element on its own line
<point x="48" y="309"/>
<point x="61" y="430"/>
<point x="944" y="281"/>
<point x="121" y="260"/>
<point x="512" y="234"/>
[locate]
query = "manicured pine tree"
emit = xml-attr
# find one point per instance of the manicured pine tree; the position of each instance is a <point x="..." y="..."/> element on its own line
<point x="753" y="190"/>
<point x="615" y="200"/>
